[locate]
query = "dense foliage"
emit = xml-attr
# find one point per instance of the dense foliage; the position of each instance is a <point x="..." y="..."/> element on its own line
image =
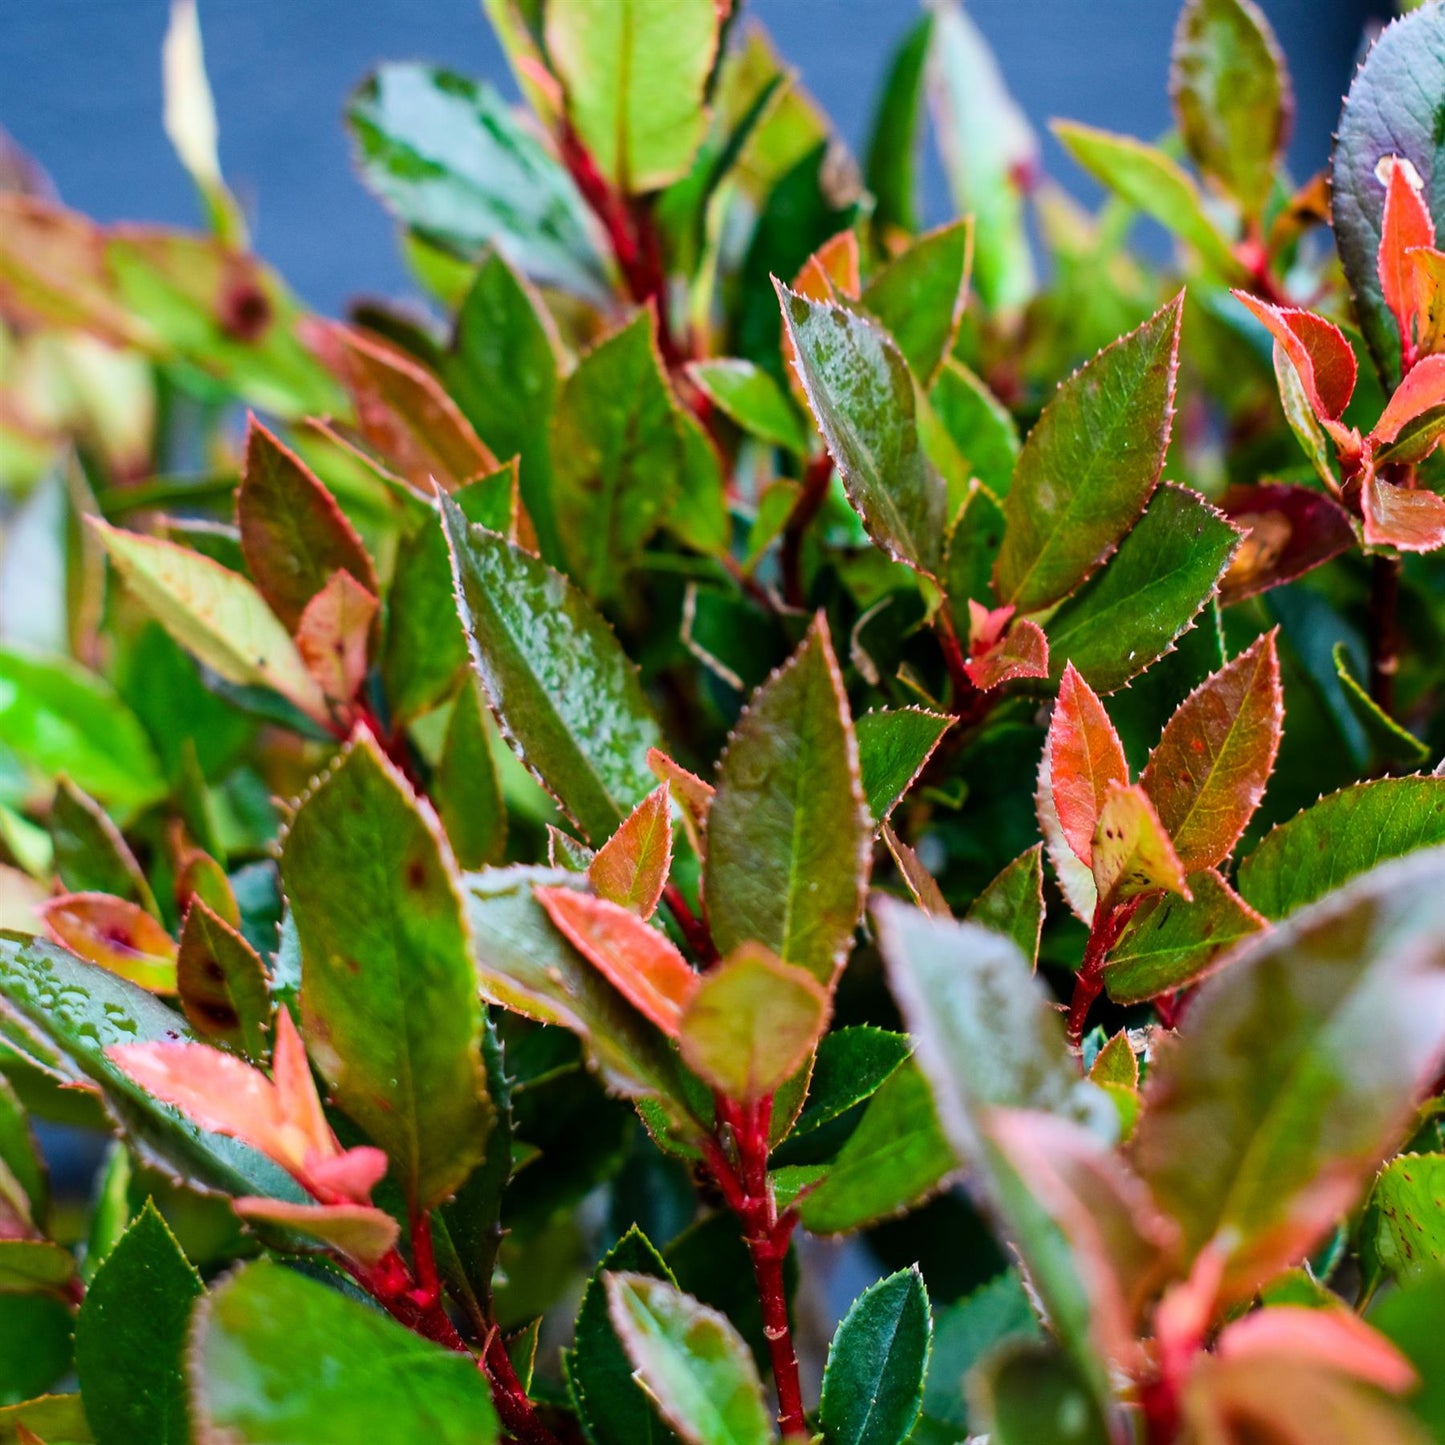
<point x="741" y="722"/>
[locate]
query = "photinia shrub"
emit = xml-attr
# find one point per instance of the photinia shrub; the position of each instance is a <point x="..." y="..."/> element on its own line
<point x="748" y="821"/>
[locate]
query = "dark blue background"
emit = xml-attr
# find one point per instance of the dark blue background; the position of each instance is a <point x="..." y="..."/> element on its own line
<point x="80" y="88"/>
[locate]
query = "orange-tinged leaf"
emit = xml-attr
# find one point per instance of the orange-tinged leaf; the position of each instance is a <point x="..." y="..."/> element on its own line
<point x="1317" y="349"/>
<point x="631" y="867"/>
<point x="637" y="960"/>
<point x="293" y="534"/>
<point x="1334" y="1338"/>
<point x="1132" y="852"/>
<point x="1000" y="650"/>
<point x="333" y="636"/>
<point x="1208" y="772"/>
<point x="1427" y="280"/>
<point x="402" y="411"/>
<point x="1411" y="519"/>
<point x="1086" y="759"/>
<point x="752" y="1022"/>
<point x="917" y="879"/>
<point x="219" y="1092"/>
<point x="296" y="1096"/>
<point x="1076" y="880"/>
<point x="359" y="1231"/>
<point x="694" y="795"/>
<point x="832" y="272"/>
<point x="1266" y="1403"/>
<point x="1421" y="391"/>
<point x="116" y="935"/>
<point x="1406" y="224"/>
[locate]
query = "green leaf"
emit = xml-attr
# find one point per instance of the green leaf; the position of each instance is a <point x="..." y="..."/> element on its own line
<point x="222" y="984"/>
<point x="63" y="1014"/>
<point x="977" y="423"/>
<point x="90" y="854"/>
<point x="387" y="990"/>
<point x="893" y="1160"/>
<point x="567" y="698"/>
<point x="293" y="533"/>
<point x="35" y="1345"/>
<point x="1232" y="95"/>
<point x="963" y="1334"/>
<point x="1149" y="593"/>
<point x="616" y="453"/>
<point x="1391" y="110"/>
<point x="468" y="792"/>
<point x="424" y="647"/>
<point x="130" y="1338"/>
<point x="1169" y="942"/>
<point x="61" y="719"/>
<point x="919" y="295"/>
<point x="1267" y="1114"/>
<point x="1013" y="904"/>
<point x="1027" y="1393"/>
<point x="27" y="1265"/>
<point x="1342" y="835"/>
<point x="503" y="372"/>
<point x="449" y="158"/>
<point x="849" y="1067"/>
<point x="275" y="1356"/>
<point x="634" y="72"/>
<point x="214" y="613"/>
<point x="691" y="1361"/>
<point x="1151" y="182"/>
<point x="612" y="1405"/>
<point x="1413" y="1320"/>
<point x="750" y="397"/>
<point x="752" y="1023"/>
<point x="990" y="155"/>
<point x="24" y="1186"/>
<point x="973" y="548"/>
<point x="861" y="395"/>
<point x="894" y="746"/>
<point x="789" y="836"/>
<point x="1389" y="742"/>
<point x="873" y="1383"/>
<point x="1090" y="464"/>
<point x="890" y="170"/>
<point x="524" y="964"/>
<point x="1404" y="1226"/>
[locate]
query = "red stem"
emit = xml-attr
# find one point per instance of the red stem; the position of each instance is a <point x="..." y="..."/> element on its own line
<point x="1109" y="922"/>
<point x="699" y="940"/>
<point x="743" y="1180"/>
<point x="414" y="1299"/>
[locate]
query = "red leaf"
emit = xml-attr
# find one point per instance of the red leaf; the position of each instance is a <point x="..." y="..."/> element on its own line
<point x="1406" y="224"/>
<point x="334" y="634"/>
<point x="402" y="411"/>
<point x="689" y="790"/>
<point x="631" y="867"/>
<point x="293" y="534"/>
<point x="1288" y="531"/>
<point x="1132" y="853"/>
<point x="1411" y="519"/>
<point x="114" y="934"/>
<point x="1318" y="350"/>
<point x="998" y="652"/>
<point x="1209" y="770"/>
<point x="1086" y="759"/>
<point x="635" y="959"/>
<point x="1334" y="1338"/>
<point x="1421" y="391"/>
